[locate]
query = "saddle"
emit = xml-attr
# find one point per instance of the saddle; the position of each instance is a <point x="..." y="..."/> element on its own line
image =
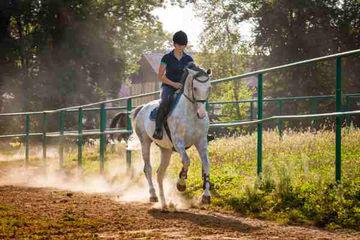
<point x="173" y="102"/>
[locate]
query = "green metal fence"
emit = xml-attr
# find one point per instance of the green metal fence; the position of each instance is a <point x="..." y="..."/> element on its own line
<point x="102" y="130"/>
<point x="281" y="103"/>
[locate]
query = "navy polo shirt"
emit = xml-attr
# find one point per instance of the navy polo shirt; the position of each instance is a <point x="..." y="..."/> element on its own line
<point x="175" y="67"/>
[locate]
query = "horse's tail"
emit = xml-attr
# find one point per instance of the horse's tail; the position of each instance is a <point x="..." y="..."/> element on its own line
<point x="134" y="115"/>
<point x="116" y="119"/>
<point x="121" y="118"/>
<point x="136" y="111"/>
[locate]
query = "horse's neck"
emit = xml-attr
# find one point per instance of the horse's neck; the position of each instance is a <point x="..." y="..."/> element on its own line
<point x="184" y="106"/>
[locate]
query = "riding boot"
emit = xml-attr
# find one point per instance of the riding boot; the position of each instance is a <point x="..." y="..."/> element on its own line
<point x="158" y="133"/>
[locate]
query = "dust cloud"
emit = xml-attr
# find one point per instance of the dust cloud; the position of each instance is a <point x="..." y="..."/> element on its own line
<point x="123" y="184"/>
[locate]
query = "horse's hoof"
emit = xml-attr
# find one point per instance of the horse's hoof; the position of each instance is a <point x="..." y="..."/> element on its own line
<point x="154" y="199"/>
<point x="181" y="187"/>
<point x="205" y="199"/>
<point x="164" y="209"/>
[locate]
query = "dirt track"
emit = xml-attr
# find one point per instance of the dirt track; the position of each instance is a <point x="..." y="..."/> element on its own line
<point x="44" y="213"/>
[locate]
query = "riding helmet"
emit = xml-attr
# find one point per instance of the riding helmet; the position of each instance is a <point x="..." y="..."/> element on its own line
<point x="180" y="38"/>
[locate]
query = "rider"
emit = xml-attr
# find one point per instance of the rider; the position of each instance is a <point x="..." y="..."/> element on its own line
<point x="173" y="63"/>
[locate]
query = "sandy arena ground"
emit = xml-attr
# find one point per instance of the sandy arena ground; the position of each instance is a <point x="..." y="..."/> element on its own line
<point x="44" y="213"/>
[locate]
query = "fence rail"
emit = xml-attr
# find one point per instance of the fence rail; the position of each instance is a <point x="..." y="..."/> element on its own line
<point x="102" y="131"/>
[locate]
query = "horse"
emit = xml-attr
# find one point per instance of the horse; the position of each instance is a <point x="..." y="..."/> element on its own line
<point x="188" y="125"/>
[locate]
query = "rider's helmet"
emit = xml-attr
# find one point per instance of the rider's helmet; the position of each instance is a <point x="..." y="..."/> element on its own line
<point x="180" y="38"/>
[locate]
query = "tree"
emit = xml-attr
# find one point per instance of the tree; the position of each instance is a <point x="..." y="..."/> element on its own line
<point x="292" y="30"/>
<point x="223" y="50"/>
<point x="60" y="53"/>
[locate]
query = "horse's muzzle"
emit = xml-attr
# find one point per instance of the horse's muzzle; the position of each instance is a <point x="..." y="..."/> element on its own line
<point x="201" y="111"/>
<point x="198" y="115"/>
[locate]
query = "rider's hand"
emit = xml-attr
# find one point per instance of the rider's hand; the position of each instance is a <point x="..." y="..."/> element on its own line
<point x="177" y="85"/>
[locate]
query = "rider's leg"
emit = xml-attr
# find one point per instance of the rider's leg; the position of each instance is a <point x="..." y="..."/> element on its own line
<point x="166" y="93"/>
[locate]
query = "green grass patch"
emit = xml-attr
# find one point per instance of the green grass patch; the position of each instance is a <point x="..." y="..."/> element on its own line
<point x="298" y="181"/>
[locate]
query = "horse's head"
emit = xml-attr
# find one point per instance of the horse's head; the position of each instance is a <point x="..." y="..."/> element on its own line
<point x="197" y="87"/>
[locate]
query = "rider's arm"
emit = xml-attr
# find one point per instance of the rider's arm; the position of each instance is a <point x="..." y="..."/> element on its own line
<point x="162" y="77"/>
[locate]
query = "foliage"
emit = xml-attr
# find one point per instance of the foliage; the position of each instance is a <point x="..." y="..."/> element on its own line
<point x="297" y="185"/>
<point x="227" y="57"/>
<point x="60" y="53"/>
<point x="288" y="31"/>
<point x="233" y="112"/>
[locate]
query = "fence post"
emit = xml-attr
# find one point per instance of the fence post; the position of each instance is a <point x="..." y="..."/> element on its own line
<point x="259" y="125"/>
<point x="102" y="136"/>
<point x="80" y="137"/>
<point x="280" y="104"/>
<point x="27" y="129"/>
<point x="44" y="137"/>
<point x="61" y="146"/>
<point x="129" y="128"/>
<point x="338" y="120"/>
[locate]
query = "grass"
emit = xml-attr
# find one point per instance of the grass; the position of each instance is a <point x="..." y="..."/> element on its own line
<point x="297" y="185"/>
<point x="10" y="222"/>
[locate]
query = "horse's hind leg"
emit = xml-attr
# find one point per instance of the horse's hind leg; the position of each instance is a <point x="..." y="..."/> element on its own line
<point x="145" y="149"/>
<point x="165" y="159"/>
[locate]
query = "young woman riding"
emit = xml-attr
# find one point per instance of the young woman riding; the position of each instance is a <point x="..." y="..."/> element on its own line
<point x="171" y="69"/>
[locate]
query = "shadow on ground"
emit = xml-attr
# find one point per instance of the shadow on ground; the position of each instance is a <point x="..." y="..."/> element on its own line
<point x="210" y="221"/>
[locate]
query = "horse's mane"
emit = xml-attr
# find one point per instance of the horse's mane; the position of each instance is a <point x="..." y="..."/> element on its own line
<point x="191" y="66"/>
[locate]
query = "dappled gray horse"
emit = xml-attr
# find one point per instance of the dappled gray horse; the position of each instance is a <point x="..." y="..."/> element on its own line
<point x="188" y="123"/>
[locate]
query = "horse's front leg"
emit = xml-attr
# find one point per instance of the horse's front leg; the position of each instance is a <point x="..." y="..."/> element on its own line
<point x="181" y="183"/>
<point x="202" y="148"/>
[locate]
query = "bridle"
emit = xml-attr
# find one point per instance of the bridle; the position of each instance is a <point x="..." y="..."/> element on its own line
<point x="193" y="100"/>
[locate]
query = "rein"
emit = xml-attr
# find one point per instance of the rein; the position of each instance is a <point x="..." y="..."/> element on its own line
<point x="194" y="100"/>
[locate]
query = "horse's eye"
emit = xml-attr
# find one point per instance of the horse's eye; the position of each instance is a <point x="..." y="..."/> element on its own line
<point x="195" y="89"/>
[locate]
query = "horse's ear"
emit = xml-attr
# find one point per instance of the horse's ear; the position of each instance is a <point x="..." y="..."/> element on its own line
<point x="191" y="71"/>
<point x="209" y="72"/>
<point x="190" y="65"/>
